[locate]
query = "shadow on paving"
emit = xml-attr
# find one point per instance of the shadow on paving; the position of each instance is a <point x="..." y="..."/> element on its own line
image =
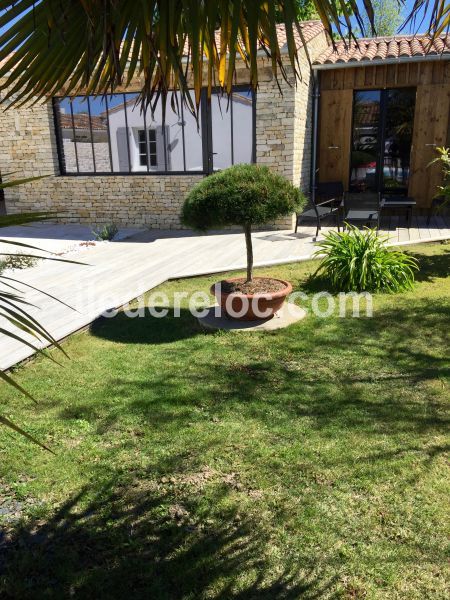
<point x="125" y="543"/>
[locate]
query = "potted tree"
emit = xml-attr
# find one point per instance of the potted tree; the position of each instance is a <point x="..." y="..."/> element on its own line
<point x="247" y="196"/>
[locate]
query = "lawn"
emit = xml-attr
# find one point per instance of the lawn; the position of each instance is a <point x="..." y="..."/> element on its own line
<point x="304" y="463"/>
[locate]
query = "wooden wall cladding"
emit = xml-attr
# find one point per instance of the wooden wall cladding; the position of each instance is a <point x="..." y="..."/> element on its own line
<point x="431" y="119"/>
<point x="431" y="126"/>
<point x="386" y="76"/>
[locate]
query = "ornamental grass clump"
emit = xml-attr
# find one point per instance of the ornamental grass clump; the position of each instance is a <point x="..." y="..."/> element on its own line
<point x="360" y="261"/>
<point x="243" y="195"/>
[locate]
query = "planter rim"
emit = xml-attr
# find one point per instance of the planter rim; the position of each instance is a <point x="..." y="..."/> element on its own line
<point x="269" y="295"/>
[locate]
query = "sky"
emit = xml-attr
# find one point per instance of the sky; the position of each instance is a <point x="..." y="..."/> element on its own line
<point x="408" y="5"/>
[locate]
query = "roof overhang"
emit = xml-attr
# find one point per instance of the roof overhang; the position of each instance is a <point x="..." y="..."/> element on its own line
<point x="382" y="61"/>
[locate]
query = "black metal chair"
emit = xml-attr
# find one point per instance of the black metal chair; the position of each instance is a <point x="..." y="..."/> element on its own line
<point x="326" y="203"/>
<point x="367" y="214"/>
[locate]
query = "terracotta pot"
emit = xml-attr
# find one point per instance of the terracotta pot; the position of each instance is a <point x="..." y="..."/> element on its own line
<point x="250" y="307"/>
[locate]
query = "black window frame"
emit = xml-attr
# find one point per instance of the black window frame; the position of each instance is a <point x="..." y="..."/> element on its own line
<point x="147" y="139"/>
<point x="206" y="132"/>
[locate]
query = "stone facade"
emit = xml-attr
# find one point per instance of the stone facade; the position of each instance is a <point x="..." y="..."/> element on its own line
<point x="28" y="148"/>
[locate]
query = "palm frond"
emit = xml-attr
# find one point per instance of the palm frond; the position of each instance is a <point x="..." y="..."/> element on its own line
<point x="14" y="307"/>
<point x="74" y="46"/>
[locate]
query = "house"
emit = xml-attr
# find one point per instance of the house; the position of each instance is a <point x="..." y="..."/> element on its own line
<point x="368" y="115"/>
<point x="384" y="106"/>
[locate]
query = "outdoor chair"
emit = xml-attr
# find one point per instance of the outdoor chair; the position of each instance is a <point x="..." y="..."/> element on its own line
<point x="398" y="199"/>
<point x="326" y="203"/>
<point x="369" y="213"/>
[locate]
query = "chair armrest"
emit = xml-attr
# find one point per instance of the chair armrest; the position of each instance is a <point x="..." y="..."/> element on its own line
<point x="326" y="202"/>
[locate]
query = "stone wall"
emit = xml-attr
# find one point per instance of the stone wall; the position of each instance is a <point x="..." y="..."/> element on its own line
<point x="28" y="147"/>
<point x="83" y="156"/>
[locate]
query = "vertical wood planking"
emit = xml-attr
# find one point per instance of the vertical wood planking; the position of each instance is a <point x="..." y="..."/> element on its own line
<point x="431" y="122"/>
<point x="334" y="140"/>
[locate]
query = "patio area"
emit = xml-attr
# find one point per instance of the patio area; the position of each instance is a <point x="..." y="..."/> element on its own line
<point x="116" y="273"/>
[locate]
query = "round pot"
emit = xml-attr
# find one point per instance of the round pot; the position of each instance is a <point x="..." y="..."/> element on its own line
<point x="250" y="307"/>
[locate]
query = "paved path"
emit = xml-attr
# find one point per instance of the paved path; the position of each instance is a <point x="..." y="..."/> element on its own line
<point x="121" y="271"/>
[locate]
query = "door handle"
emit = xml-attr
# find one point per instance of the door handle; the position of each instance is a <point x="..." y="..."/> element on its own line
<point x="434" y="145"/>
<point x="333" y="147"/>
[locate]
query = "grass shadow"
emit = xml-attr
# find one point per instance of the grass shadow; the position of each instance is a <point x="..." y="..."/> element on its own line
<point x="143" y="542"/>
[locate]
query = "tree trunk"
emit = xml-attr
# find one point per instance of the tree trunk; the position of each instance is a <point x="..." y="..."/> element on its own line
<point x="248" y="243"/>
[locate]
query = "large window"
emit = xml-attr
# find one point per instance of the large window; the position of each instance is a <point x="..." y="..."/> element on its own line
<point x="112" y="134"/>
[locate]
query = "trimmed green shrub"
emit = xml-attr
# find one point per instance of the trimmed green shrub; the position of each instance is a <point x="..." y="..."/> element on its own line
<point x="106" y="233"/>
<point x="360" y="261"/>
<point x="243" y="195"/>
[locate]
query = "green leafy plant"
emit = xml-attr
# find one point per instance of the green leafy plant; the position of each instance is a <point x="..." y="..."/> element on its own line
<point x="388" y="18"/>
<point x="106" y="233"/>
<point x="444" y="160"/>
<point x="244" y="195"/>
<point x="360" y="261"/>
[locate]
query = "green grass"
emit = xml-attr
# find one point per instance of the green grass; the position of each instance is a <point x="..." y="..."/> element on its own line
<point x="304" y="463"/>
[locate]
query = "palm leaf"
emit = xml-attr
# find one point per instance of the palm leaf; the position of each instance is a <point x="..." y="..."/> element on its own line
<point x="73" y="46"/>
<point x="13" y="304"/>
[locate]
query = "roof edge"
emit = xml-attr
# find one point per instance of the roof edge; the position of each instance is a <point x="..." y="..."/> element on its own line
<point x="380" y="61"/>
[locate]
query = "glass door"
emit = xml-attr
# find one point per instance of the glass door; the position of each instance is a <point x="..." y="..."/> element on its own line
<point x="365" y="141"/>
<point x="381" y="140"/>
<point x="397" y="138"/>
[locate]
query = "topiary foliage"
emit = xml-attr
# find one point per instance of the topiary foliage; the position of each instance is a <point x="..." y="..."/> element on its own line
<point x="240" y="195"/>
<point x="244" y="195"/>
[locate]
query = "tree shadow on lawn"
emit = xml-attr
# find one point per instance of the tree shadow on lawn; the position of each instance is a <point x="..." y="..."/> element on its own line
<point x="364" y="373"/>
<point x="147" y="329"/>
<point x="432" y="266"/>
<point x="140" y="542"/>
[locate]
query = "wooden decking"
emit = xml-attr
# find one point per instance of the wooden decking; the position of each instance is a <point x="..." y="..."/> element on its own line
<point x="121" y="271"/>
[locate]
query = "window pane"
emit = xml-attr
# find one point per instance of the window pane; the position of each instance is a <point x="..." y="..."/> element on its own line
<point x="67" y="135"/>
<point x="99" y="126"/>
<point x="136" y="122"/>
<point x="118" y="133"/>
<point x="192" y="140"/>
<point x="221" y="131"/>
<point x="142" y="148"/>
<point x="242" y="126"/>
<point x="398" y="139"/>
<point x="152" y="148"/>
<point x="83" y="136"/>
<point x="365" y="141"/>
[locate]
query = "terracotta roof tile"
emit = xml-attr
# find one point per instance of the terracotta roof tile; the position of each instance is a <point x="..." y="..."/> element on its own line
<point x="401" y="46"/>
<point x="309" y="29"/>
<point x="81" y="121"/>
